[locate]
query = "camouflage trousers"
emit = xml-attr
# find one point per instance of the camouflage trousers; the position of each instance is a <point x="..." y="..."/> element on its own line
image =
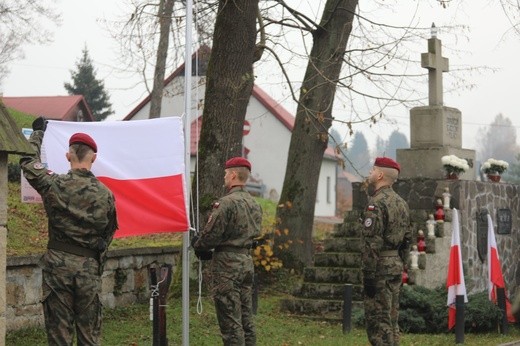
<point x="382" y="312"/>
<point x="232" y="289"/>
<point x="71" y="303"/>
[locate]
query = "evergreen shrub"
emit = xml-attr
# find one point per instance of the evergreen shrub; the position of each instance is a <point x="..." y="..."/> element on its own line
<point x="424" y="311"/>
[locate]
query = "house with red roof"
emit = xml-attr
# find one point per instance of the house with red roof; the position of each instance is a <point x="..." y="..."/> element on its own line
<point x="66" y="108"/>
<point x="267" y="134"/>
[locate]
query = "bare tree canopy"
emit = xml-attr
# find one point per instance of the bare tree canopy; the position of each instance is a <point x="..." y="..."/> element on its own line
<point x="498" y="140"/>
<point x="512" y="11"/>
<point x="22" y="23"/>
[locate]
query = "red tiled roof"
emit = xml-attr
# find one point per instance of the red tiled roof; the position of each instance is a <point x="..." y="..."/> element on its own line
<point x="51" y="107"/>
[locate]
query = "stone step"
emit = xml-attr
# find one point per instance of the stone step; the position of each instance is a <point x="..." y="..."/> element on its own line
<point x="324" y="290"/>
<point x="311" y="306"/>
<point x="347" y="230"/>
<point x="324" y="309"/>
<point x="351" y="226"/>
<point x="342" y="244"/>
<point x="337" y="259"/>
<point x="332" y="274"/>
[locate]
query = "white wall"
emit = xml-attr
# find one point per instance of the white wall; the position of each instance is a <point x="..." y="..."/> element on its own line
<point x="326" y="194"/>
<point x="268" y="142"/>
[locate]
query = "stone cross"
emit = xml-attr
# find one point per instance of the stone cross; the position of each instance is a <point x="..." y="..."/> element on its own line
<point x="436" y="65"/>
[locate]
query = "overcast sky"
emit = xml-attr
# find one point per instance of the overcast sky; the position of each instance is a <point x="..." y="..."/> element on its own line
<point x="490" y="43"/>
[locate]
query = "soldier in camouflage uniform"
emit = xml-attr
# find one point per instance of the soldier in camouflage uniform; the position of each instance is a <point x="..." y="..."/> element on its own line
<point x="82" y="221"/>
<point x="234" y="223"/>
<point x="384" y="247"/>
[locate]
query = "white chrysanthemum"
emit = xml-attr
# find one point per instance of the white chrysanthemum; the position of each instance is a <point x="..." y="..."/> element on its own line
<point x="493" y="166"/>
<point x="454" y="164"/>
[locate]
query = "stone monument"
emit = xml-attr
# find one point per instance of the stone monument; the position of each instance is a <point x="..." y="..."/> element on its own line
<point x="435" y="130"/>
<point x="11" y="142"/>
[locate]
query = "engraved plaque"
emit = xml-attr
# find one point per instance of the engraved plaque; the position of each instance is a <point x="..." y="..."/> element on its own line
<point x="504" y="221"/>
<point x="482" y="232"/>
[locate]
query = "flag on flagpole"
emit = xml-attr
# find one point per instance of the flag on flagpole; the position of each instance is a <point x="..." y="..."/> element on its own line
<point x="141" y="162"/>
<point x="495" y="277"/>
<point x="455" y="280"/>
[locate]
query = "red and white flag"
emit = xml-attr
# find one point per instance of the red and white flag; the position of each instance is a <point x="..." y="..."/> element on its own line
<point x="496" y="279"/>
<point x="141" y="162"/>
<point x="455" y="280"/>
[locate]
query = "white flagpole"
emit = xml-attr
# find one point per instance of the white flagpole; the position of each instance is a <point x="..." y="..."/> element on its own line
<point x="187" y="123"/>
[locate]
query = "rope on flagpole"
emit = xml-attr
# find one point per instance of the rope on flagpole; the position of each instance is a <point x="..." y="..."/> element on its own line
<point x="195" y="206"/>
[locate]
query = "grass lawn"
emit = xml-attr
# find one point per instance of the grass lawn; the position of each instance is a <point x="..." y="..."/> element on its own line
<point x="131" y="326"/>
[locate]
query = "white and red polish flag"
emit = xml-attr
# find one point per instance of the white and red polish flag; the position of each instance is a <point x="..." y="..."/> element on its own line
<point x="455" y="280"/>
<point x="141" y="162"/>
<point x="496" y="279"/>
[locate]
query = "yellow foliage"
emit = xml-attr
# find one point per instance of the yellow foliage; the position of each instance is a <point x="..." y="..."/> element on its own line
<point x="263" y="255"/>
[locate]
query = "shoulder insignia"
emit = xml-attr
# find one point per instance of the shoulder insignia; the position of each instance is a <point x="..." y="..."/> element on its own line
<point x="38" y="165"/>
<point x="216" y="205"/>
<point x="368" y="222"/>
<point x="371" y="208"/>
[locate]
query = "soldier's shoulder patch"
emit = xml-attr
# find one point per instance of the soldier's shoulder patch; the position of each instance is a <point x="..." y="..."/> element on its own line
<point x="38" y="165"/>
<point x="368" y="222"/>
<point x="216" y="205"/>
<point x="371" y="208"/>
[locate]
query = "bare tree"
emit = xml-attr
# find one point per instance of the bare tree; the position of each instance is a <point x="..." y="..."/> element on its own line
<point x="228" y="89"/>
<point x="498" y="140"/>
<point x="138" y="34"/>
<point x="512" y="11"/>
<point x="310" y="134"/>
<point x="21" y="23"/>
<point x="165" y="20"/>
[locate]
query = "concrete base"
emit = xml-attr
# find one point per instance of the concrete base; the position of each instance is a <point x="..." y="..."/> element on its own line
<point x="426" y="163"/>
<point x="435" y="126"/>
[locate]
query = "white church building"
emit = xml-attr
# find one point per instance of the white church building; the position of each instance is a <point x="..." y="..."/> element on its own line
<point x="267" y="136"/>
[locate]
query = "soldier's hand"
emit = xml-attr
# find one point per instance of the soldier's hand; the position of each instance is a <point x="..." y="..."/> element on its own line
<point x="40" y="124"/>
<point x="194" y="240"/>
<point x="369" y="286"/>
<point x="204" y="255"/>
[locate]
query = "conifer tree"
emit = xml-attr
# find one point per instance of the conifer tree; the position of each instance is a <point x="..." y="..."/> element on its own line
<point x="84" y="83"/>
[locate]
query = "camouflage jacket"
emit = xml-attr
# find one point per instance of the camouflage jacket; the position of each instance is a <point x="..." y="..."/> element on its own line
<point x="386" y="227"/>
<point x="235" y="221"/>
<point x="80" y="209"/>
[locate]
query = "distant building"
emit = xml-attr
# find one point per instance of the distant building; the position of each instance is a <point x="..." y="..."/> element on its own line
<point x="65" y="108"/>
<point x="266" y="144"/>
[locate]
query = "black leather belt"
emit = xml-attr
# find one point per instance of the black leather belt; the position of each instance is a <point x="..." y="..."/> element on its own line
<point x="234" y="249"/>
<point x="73" y="249"/>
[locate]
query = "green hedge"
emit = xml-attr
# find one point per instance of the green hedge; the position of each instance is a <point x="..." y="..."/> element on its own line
<point x="424" y="311"/>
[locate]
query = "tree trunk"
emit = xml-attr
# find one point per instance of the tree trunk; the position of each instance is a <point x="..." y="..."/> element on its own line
<point x="228" y="89"/>
<point x="310" y="134"/>
<point x="165" y="19"/>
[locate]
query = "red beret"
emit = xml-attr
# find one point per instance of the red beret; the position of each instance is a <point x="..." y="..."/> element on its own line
<point x="238" y="162"/>
<point x="388" y="163"/>
<point x="83" y="138"/>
